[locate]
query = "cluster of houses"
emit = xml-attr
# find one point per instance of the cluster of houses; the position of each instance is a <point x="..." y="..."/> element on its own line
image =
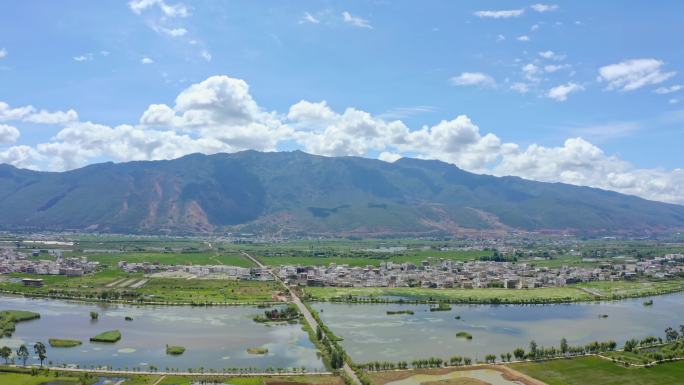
<point x="12" y="261"/>
<point x="199" y="271"/>
<point x="441" y="273"/>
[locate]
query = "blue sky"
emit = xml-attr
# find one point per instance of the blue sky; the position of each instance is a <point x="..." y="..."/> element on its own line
<point x="578" y="92"/>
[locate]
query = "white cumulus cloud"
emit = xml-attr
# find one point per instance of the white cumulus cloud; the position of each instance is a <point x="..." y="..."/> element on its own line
<point x="630" y="75"/>
<point x="473" y="79"/>
<point x="541" y="8"/>
<point x="309" y="18"/>
<point x="169" y="10"/>
<point x="8" y="134"/>
<point x="668" y="90"/>
<point x="355" y="20"/>
<point x="500" y="14"/>
<point x="560" y="93"/>
<point x="219" y="114"/>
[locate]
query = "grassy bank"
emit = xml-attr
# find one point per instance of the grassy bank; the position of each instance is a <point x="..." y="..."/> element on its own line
<point x="578" y="371"/>
<point x="19" y="376"/>
<point x="372" y="294"/>
<point x="10" y="318"/>
<point x="590" y="291"/>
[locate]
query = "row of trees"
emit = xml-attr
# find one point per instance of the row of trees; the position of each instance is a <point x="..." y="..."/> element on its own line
<point x="22" y="353"/>
<point x="534" y="352"/>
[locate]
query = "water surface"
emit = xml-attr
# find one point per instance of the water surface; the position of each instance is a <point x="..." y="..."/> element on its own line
<point x="214" y="337"/>
<point x="372" y="335"/>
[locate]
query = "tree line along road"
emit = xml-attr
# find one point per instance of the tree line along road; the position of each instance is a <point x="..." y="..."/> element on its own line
<point x="304" y="310"/>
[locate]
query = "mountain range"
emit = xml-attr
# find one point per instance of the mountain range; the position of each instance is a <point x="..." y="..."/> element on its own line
<point x="299" y="193"/>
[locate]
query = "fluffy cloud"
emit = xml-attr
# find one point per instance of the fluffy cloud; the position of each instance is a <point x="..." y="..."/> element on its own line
<point x="308" y="18"/>
<point x="222" y="109"/>
<point x="551" y="55"/>
<point x="146" y="60"/>
<point x="31" y="115"/>
<point x="582" y="163"/>
<point x="541" y="8"/>
<point x="169" y="10"/>
<point x="473" y="79"/>
<point x="354" y="132"/>
<point x="46" y="117"/>
<point x="355" y="20"/>
<point x="668" y="90"/>
<point x="220" y="115"/>
<point x="206" y="55"/>
<point x="173" y="32"/>
<point x="8" y="134"/>
<point x="21" y="156"/>
<point x="560" y="93"/>
<point x="520" y="87"/>
<point x="3" y="53"/>
<point x="555" y="67"/>
<point x="85" y="57"/>
<point x="500" y="14"/>
<point x="523" y="38"/>
<point x="633" y="74"/>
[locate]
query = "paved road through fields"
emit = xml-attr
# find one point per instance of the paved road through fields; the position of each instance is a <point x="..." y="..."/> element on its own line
<point x="302" y="309"/>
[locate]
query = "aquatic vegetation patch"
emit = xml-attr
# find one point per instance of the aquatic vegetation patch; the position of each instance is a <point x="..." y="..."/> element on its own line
<point x="110" y="336"/>
<point x="63" y="343"/>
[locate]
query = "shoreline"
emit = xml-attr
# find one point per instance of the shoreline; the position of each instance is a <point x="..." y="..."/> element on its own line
<point x="356" y="300"/>
<point x="493" y="301"/>
<point x="143" y="303"/>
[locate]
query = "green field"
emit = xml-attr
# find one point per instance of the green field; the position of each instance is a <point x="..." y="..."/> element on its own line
<point x="206" y="290"/>
<point x="97" y="287"/>
<point x="596" y="371"/>
<point x="364" y="259"/>
<point x="16" y="376"/>
<point x="453" y="295"/>
<point x="27" y="379"/>
<point x="618" y="289"/>
<point x="195" y="258"/>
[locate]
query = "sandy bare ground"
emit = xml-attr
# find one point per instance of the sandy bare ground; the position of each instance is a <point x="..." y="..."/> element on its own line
<point x="383" y="378"/>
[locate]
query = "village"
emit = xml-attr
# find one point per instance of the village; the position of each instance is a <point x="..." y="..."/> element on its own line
<point x="12" y="261"/>
<point x="432" y="272"/>
<point x="444" y="273"/>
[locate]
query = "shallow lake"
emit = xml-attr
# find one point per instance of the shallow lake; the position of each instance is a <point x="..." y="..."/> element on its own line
<point x="372" y="335"/>
<point x="214" y="337"/>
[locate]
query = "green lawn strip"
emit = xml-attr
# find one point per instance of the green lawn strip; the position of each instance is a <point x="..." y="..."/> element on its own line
<point x="597" y="371"/>
<point x="542" y="295"/>
<point x="27" y="379"/>
<point x="109" y="336"/>
<point x="63" y="343"/>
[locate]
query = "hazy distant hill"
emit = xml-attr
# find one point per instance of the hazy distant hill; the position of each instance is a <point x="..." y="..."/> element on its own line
<point x="298" y="192"/>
